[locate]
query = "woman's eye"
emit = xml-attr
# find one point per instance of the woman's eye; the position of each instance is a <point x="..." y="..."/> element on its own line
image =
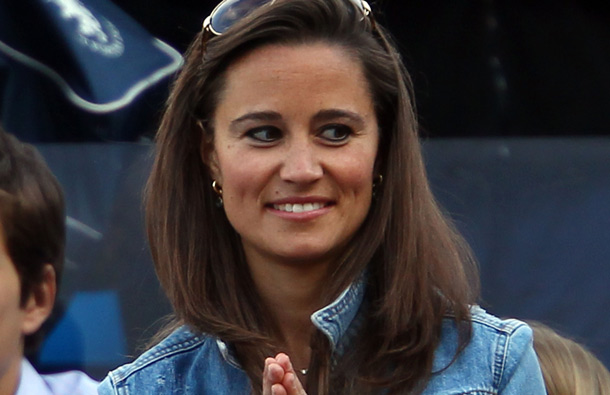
<point x="265" y="134"/>
<point x="336" y="133"/>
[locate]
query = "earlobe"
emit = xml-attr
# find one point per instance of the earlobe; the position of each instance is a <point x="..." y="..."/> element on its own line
<point x="40" y="302"/>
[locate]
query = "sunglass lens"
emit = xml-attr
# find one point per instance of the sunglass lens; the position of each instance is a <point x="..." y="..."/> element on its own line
<point x="229" y="12"/>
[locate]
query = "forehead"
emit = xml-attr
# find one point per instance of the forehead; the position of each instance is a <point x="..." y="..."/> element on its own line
<point x="299" y="72"/>
<point x="303" y="50"/>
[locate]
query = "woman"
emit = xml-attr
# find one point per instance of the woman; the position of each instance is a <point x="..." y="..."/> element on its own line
<point x="289" y="215"/>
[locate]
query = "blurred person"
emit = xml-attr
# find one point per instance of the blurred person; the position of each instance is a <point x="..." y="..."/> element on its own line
<point x="293" y="228"/>
<point x="568" y="367"/>
<point x="32" y="239"/>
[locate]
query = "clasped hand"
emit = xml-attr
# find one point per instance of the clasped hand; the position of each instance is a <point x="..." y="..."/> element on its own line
<point x="280" y="378"/>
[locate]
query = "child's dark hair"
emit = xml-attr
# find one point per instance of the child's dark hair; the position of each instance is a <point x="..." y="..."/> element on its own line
<point x="32" y="215"/>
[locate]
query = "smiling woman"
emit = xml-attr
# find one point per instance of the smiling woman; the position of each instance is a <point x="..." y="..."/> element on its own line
<point x="293" y="229"/>
<point x="294" y="150"/>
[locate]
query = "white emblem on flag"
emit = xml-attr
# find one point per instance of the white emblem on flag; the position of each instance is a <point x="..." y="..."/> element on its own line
<point x="100" y="36"/>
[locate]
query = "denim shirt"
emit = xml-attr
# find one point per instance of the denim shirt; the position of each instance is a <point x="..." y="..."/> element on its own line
<point x="499" y="359"/>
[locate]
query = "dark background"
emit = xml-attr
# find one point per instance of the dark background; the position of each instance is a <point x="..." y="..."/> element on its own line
<point x="479" y="67"/>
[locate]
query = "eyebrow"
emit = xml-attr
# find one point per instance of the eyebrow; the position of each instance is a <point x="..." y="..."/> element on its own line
<point x="330" y="114"/>
<point x="257" y="116"/>
<point x="320" y="116"/>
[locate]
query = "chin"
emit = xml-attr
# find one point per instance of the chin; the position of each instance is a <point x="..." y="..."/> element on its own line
<point x="309" y="255"/>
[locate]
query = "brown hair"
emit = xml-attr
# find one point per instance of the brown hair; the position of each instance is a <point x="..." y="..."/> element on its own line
<point x="419" y="269"/>
<point x="32" y="216"/>
<point x="568" y="367"/>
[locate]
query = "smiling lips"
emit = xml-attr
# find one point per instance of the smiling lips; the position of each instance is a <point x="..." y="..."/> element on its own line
<point x="298" y="208"/>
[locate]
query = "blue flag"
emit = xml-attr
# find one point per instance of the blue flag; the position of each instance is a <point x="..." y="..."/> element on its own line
<point x="79" y="70"/>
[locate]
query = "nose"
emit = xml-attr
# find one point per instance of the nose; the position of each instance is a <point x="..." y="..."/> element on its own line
<point x="301" y="163"/>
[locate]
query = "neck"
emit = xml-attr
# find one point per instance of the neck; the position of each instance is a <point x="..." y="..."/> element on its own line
<point x="9" y="378"/>
<point x="291" y="291"/>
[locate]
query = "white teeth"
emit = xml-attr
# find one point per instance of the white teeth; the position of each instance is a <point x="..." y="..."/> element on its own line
<point x="298" y="208"/>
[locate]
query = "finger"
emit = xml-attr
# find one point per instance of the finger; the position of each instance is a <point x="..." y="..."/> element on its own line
<point x="293" y="385"/>
<point x="275" y="373"/>
<point x="266" y="383"/>
<point x="269" y="376"/>
<point x="278" y="389"/>
<point x="284" y="361"/>
<point x="290" y="380"/>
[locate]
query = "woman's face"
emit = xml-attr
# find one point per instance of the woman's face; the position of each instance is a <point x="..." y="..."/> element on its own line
<point x="294" y="151"/>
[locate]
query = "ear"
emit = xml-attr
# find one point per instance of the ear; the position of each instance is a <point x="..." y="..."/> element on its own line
<point x="40" y="302"/>
<point x="214" y="167"/>
<point x="376" y="167"/>
<point x="210" y="158"/>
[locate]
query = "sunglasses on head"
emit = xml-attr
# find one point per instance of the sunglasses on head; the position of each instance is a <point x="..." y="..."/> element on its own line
<point x="227" y="12"/>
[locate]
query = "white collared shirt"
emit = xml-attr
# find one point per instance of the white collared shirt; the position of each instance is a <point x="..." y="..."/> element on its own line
<point x="68" y="383"/>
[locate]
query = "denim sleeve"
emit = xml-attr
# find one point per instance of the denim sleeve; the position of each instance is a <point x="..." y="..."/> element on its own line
<point x="521" y="371"/>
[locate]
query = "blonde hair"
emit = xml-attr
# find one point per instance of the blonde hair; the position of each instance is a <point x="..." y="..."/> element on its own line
<point x="567" y="366"/>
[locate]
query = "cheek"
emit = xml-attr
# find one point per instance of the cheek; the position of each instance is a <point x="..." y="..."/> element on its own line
<point x="228" y="169"/>
<point x="244" y="170"/>
<point x="235" y="186"/>
<point x="358" y="172"/>
<point x="241" y="181"/>
<point x="361" y="184"/>
<point x="10" y="308"/>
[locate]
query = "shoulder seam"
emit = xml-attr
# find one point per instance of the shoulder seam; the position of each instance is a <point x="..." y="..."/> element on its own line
<point x="508" y="326"/>
<point x="122" y="373"/>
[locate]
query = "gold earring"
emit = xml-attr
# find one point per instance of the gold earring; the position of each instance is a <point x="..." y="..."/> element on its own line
<point x="377" y="181"/>
<point x="218" y="190"/>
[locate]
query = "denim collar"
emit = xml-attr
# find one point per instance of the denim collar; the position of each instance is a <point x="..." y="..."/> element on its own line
<point x="333" y="320"/>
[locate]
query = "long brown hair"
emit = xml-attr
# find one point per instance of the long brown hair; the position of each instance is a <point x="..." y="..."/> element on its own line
<point x="419" y="269"/>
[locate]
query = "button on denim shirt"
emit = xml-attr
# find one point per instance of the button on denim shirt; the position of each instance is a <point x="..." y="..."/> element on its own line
<point x="499" y="359"/>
